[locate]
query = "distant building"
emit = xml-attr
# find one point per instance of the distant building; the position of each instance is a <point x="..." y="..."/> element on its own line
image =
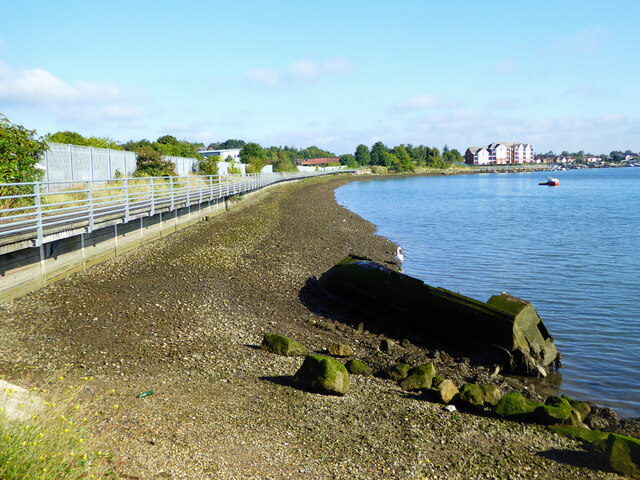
<point x="320" y="162"/>
<point x="230" y="154"/>
<point x="500" y="153"/>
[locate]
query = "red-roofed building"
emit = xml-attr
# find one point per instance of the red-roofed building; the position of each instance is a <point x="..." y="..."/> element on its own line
<point x="321" y="162"/>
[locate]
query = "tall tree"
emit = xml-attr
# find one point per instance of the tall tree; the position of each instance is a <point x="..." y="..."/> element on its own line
<point x="377" y="150"/>
<point x="363" y="157"/>
<point x="254" y="156"/>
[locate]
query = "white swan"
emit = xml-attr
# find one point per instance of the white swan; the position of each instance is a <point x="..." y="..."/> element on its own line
<point x="399" y="255"/>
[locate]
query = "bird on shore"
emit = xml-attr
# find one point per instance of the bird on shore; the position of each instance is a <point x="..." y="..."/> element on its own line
<point x="399" y="258"/>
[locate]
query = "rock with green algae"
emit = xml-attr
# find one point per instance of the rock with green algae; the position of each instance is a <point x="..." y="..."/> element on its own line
<point x="557" y="410"/>
<point x="283" y="346"/>
<point x="322" y="375"/>
<point x="356" y="367"/>
<point x="397" y="372"/>
<point x="515" y="406"/>
<point x="581" y="407"/>
<point x="622" y="453"/>
<point x="477" y="396"/>
<point x="419" y="378"/>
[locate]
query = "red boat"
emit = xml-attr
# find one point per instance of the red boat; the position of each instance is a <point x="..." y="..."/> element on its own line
<point x="552" y="182"/>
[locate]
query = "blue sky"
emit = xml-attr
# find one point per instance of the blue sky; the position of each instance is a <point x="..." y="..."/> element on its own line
<point x="561" y="75"/>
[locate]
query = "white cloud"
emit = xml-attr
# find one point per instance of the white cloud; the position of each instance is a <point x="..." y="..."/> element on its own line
<point x="80" y="102"/>
<point x="303" y="70"/>
<point x="263" y="77"/>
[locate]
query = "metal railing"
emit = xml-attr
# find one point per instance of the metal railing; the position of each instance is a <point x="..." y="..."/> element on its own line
<point x="38" y="209"/>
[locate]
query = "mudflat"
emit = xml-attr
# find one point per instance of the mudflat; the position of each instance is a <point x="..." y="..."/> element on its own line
<point x="184" y="317"/>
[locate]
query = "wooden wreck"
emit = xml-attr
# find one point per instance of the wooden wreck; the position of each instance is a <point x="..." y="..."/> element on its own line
<point x="505" y="330"/>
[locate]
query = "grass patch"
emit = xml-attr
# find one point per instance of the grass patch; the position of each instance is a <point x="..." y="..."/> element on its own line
<point x="58" y="442"/>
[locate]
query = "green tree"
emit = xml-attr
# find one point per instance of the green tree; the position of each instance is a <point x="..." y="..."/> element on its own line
<point x="151" y="164"/>
<point x="348" y="160"/>
<point x="377" y="150"/>
<point x="67" y="136"/>
<point x="404" y="160"/>
<point x="208" y="165"/>
<point x="20" y="152"/>
<point x="284" y="162"/>
<point x="254" y="156"/>
<point x="363" y="156"/>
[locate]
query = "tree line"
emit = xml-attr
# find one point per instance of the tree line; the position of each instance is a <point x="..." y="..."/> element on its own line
<point x="21" y="149"/>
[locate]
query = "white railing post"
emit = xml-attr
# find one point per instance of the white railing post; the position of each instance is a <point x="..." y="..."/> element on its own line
<point x="153" y="199"/>
<point x="39" y="235"/>
<point x="200" y="188"/>
<point x="188" y="194"/>
<point x="126" y="200"/>
<point x="171" y="192"/>
<point x="90" y="203"/>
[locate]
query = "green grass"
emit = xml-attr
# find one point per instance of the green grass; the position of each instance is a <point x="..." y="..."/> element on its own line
<point x="58" y="443"/>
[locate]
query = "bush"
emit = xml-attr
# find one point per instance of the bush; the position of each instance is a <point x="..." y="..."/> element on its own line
<point x="20" y="152"/>
<point x="151" y="164"/>
<point x="208" y="166"/>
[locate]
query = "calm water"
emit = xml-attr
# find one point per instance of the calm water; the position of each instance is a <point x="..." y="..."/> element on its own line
<point x="571" y="250"/>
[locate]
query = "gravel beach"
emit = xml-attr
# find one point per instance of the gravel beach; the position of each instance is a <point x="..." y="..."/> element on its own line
<point x="184" y="317"/>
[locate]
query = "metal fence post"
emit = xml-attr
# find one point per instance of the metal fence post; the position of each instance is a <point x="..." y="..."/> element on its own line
<point x="90" y="203"/>
<point x="126" y="200"/>
<point x="39" y="235"/>
<point x="171" y="190"/>
<point x="153" y="199"/>
<point x="188" y="195"/>
<point x="200" y="191"/>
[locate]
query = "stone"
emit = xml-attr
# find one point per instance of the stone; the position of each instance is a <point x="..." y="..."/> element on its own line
<point x="419" y="378"/>
<point x="356" y="367"/>
<point x="490" y="394"/>
<point x="515" y="406"/>
<point x="437" y="380"/>
<point x="471" y="396"/>
<point x="340" y="350"/>
<point x="621" y="452"/>
<point x="556" y="410"/>
<point x="446" y="391"/>
<point x="396" y="373"/>
<point x="322" y="375"/>
<point x="283" y="346"/>
<point x="386" y="345"/>
<point x="581" y="407"/>
<point x="17" y="403"/>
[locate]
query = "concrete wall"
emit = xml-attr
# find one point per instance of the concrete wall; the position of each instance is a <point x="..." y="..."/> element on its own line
<point x="29" y="269"/>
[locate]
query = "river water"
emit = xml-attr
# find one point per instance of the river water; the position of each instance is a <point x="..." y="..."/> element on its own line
<point x="572" y="251"/>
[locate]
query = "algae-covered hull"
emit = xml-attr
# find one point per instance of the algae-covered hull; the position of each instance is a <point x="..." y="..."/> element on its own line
<point x="504" y="330"/>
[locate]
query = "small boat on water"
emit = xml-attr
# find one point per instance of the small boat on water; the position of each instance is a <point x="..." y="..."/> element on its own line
<point x="551" y="182"/>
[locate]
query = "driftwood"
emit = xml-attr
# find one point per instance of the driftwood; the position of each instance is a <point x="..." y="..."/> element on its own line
<point x="505" y="330"/>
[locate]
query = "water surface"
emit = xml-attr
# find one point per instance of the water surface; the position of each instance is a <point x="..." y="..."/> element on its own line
<point x="571" y="250"/>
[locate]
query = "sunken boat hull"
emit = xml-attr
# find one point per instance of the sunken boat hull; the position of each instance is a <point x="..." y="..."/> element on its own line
<point x="505" y="330"/>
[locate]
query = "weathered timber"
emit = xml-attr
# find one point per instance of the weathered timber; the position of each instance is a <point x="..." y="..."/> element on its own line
<point x="506" y="330"/>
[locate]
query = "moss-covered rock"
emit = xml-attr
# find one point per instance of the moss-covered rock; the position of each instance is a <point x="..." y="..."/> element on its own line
<point x="356" y="367"/>
<point x="283" y="346"/>
<point x="471" y="396"/>
<point x="397" y="372"/>
<point x="515" y="406"/>
<point x="339" y="350"/>
<point x="557" y="410"/>
<point x="490" y="394"/>
<point x="419" y="378"/>
<point x="581" y="407"/>
<point x="437" y="380"/>
<point x="323" y="375"/>
<point x="478" y="396"/>
<point x="621" y="452"/>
